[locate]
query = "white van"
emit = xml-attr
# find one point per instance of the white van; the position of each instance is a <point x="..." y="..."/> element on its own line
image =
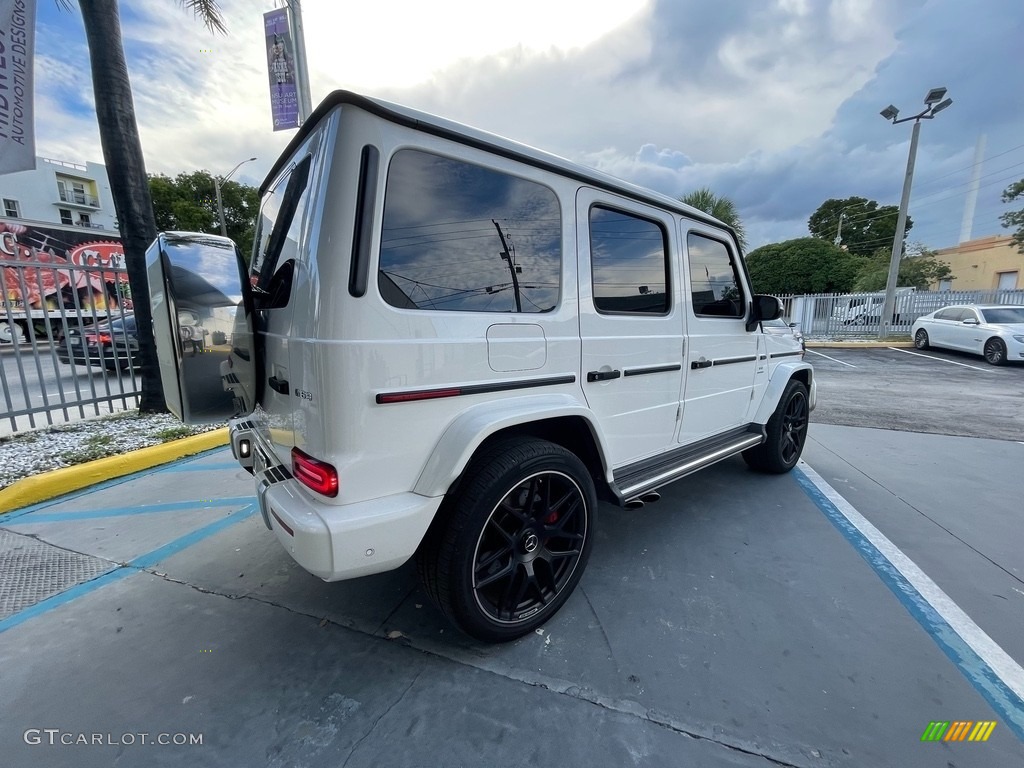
<point x="450" y="345"/>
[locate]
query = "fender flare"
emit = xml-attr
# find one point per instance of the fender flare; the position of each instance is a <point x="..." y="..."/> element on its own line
<point x="472" y="427"/>
<point x="781" y="376"/>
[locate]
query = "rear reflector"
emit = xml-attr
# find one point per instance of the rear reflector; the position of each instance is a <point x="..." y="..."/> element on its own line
<point x="314" y="474"/>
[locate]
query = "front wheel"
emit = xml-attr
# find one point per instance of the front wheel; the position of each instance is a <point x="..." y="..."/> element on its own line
<point x="513" y="541"/>
<point x="995" y="351"/>
<point x="921" y="339"/>
<point x="786" y="433"/>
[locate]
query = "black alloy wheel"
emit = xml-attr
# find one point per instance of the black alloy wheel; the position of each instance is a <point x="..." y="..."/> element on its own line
<point x="786" y="433"/>
<point x="512" y="540"/>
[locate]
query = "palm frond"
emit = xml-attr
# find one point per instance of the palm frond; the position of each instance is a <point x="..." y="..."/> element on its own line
<point x="208" y="11"/>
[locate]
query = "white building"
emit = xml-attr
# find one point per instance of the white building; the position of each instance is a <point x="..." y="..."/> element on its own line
<point x="60" y="192"/>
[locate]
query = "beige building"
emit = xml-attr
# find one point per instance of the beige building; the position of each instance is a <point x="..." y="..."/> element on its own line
<point x="985" y="264"/>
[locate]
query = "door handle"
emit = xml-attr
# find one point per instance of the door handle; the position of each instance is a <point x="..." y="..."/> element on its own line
<point x="603" y="375"/>
<point x="278" y="385"/>
<point x="700" y="364"/>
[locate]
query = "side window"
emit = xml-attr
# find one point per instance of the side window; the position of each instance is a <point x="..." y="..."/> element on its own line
<point x="714" y="278"/>
<point x="948" y="314"/>
<point x="968" y="314"/>
<point x="629" y="263"/>
<point x="460" y="237"/>
<point x="277" y="237"/>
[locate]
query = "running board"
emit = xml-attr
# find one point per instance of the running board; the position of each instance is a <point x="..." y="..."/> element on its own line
<point x="636" y="480"/>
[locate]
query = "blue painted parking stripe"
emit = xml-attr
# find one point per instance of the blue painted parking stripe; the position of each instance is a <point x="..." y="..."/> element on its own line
<point x="202" y="467"/>
<point x="992" y="672"/>
<point x="174" y="506"/>
<point x="147" y="560"/>
<point x="8" y="516"/>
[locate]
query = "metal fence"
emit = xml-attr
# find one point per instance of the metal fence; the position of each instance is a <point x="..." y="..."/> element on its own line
<point x="859" y="315"/>
<point x="67" y="340"/>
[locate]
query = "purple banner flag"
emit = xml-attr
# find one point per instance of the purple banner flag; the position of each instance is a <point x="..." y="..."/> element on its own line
<point x="284" y="96"/>
<point x="17" y="135"/>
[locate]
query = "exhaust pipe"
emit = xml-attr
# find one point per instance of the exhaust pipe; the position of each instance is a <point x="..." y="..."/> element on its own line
<point x="650" y="498"/>
<point x="634" y="504"/>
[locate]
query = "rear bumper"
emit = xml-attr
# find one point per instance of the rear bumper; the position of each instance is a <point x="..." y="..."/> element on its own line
<point x="332" y="541"/>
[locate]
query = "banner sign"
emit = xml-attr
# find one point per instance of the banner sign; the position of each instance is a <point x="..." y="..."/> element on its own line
<point x="56" y="267"/>
<point x="284" y="95"/>
<point x="17" y="136"/>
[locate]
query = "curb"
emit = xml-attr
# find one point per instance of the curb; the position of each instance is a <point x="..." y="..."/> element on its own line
<point x="859" y="344"/>
<point x="49" y="485"/>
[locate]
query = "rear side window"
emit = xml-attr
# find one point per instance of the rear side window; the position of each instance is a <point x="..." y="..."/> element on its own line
<point x="460" y="237"/>
<point x="715" y="285"/>
<point x="277" y="236"/>
<point x="629" y="263"/>
<point x="948" y="314"/>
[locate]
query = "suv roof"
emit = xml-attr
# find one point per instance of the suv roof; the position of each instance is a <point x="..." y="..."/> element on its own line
<point x="449" y="129"/>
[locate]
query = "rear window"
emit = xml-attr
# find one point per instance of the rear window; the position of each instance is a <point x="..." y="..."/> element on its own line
<point x="461" y="237"/>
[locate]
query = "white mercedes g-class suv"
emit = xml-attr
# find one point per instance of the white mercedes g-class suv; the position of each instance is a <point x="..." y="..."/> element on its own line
<point x="451" y="346"/>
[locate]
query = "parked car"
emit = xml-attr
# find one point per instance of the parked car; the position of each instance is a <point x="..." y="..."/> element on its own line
<point x="453" y="345"/>
<point x="111" y="343"/>
<point x="781" y="327"/>
<point x="995" y="331"/>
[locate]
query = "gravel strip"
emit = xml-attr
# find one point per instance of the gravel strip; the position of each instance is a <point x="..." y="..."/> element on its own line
<point x="29" y="453"/>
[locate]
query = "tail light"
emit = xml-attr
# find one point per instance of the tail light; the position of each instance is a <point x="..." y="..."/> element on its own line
<point x="314" y="474"/>
<point x="98" y="338"/>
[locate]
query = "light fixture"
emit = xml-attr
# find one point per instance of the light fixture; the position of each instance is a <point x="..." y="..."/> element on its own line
<point x="934" y="95"/>
<point x="890" y="112"/>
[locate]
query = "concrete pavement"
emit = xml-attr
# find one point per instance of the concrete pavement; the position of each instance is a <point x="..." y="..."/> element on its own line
<point x="733" y="623"/>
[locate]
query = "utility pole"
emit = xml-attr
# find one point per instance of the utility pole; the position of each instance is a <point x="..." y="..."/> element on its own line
<point x="511" y="267"/>
<point x="839" y="230"/>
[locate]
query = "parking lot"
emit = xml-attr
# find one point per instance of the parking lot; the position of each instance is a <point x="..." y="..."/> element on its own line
<point x="936" y="391"/>
<point x="820" y="618"/>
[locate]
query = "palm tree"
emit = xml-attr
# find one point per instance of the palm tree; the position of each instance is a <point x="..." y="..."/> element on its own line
<point x="126" y="168"/>
<point x="721" y="207"/>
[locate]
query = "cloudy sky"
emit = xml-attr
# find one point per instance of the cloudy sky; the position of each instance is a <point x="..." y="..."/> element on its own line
<point x="773" y="103"/>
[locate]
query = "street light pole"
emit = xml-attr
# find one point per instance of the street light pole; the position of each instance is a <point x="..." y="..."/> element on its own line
<point x="933" y="105"/>
<point x="220" y="205"/>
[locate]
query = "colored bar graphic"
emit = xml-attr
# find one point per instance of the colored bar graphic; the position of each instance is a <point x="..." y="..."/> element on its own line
<point x="958" y="730"/>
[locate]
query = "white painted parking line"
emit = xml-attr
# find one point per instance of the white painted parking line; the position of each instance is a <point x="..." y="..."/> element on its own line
<point x="942" y="360"/>
<point x="970" y="648"/>
<point x="819" y="354"/>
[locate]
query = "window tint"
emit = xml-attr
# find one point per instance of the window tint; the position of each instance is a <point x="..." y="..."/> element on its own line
<point x="1004" y="315"/>
<point x="461" y="237"/>
<point x="277" y="236"/>
<point x="714" y="280"/>
<point x="629" y="262"/>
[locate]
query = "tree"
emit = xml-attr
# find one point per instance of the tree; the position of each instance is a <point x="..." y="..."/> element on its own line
<point x="188" y="202"/>
<point x="804" y="265"/>
<point x="126" y="168"/>
<point x="866" y="226"/>
<point x="919" y="268"/>
<point x="1012" y="219"/>
<point x="721" y="207"/>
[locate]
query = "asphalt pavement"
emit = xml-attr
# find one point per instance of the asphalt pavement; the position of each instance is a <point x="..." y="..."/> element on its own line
<point x="822" y="618"/>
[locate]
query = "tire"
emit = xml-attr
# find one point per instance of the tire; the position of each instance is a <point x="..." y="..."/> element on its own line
<point x="921" y="339"/>
<point x="786" y="433"/>
<point x="512" y="541"/>
<point x="995" y="351"/>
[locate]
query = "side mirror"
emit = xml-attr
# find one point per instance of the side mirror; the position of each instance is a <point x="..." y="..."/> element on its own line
<point x="763" y="308"/>
<point x="202" y="325"/>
